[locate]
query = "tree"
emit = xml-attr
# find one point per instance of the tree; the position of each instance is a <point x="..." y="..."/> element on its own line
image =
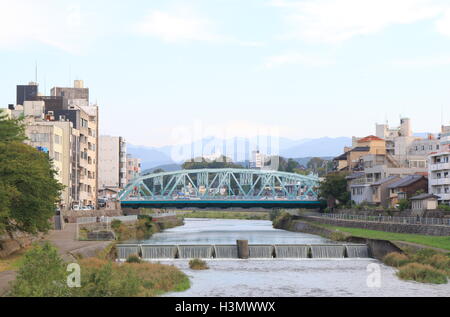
<point x="158" y="170"/>
<point x="201" y="163"/>
<point x="11" y="129"/>
<point x="28" y="190"/>
<point x="42" y="274"/>
<point x="335" y="188"/>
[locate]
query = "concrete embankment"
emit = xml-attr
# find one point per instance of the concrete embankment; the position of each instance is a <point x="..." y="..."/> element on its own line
<point x="377" y="248"/>
<point x="429" y="230"/>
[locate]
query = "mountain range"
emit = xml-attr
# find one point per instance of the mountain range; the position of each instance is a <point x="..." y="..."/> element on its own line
<point x="239" y="149"/>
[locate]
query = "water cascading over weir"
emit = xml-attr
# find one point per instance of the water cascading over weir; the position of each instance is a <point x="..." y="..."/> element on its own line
<point x="279" y="251"/>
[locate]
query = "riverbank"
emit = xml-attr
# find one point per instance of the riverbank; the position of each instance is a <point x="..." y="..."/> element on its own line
<point x="402" y="240"/>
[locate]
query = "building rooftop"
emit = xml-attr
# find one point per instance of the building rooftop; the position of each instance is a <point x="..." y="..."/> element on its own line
<point x="424" y="196"/>
<point x="384" y="180"/>
<point x="406" y="181"/>
<point x="370" y="138"/>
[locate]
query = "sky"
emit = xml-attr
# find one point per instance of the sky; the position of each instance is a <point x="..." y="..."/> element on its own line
<point x="165" y="70"/>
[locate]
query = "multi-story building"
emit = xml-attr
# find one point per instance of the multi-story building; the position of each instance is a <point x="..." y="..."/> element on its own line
<point x="26" y="93"/>
<point x="72" y="103"/>
<point x="67" y="111"/>
<point x="258" y="160"/>
<point x="133" y="168"/>
<point x="439" y="168"/>
<point x="113" y="167"/>
<point x="78" y="91"/>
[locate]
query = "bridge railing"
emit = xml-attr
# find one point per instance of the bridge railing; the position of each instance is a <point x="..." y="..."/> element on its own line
<point x="390" y="219"/>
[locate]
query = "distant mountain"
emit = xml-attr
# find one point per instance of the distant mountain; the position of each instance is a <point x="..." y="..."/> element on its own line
<point x="238" y="149"/>
<point x="318" y="148"/>
<point x="150" y="157"/>
<point x="166" y="168"/>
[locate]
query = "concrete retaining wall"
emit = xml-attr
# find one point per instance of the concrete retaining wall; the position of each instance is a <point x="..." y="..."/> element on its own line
<point x="377" y="248"/>
<point x="388" y="227"/>
<point x="70" y="216"/>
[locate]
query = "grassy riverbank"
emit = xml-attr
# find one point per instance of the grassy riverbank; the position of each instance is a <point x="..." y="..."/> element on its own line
<point x="431" y="241"/>
<point x="244" y="215"/>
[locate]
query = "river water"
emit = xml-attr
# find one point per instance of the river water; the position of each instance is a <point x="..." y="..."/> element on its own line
<point x="281" y="277"/>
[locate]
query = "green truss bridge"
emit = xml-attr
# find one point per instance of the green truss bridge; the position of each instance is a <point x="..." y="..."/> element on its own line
<point x="222" y="188"/>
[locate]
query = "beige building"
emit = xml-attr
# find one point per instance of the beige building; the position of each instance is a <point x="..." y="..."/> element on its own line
<point x="133" y="168"/>
<point x="76" y="108"/>
<point x="50" y="138"/>
<point x="113" y="167"/>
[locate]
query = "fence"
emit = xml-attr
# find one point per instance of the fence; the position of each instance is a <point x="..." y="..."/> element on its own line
<point x="83" y="220"/>
<point x="391" y="219"/>
<point x="162" y="215"/>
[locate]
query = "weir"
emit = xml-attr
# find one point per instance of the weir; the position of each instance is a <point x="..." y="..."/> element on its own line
<point x="159" y="251"/>
<point x="226" y="251"/>
<point x="327" y="251"/>
<point x="357" y="251"/>
<point x="195" y="251"/>
<point x="230" y="251"/>
<point x="125" y="250"/>
<point x="291" y="251"/>
<point x="260" y="251"/>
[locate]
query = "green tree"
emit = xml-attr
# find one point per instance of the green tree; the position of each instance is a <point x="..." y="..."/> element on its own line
<point x="28" y="189"/>
<point x="158" y="170"/>
<point x="333" y="188"/>
<point x="42" y="274"/>
<point x="11" y="129"/>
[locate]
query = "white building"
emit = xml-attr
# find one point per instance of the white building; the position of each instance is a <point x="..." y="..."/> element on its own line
<point x="258" y="160"/>
<point x="112" y="169"/>
<point x="439" y="169"/>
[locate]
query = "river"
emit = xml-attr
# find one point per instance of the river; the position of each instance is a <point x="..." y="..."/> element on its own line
<point x="281" y="277"/>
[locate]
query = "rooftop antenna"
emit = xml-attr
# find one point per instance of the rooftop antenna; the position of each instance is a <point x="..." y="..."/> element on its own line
<point x="36" y="72"/>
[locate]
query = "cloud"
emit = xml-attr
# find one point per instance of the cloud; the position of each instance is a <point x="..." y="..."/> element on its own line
<point x="443" y="24"/>
<point x="334" y="21"/>
<point x="296" y="58"/>
<point x="431" y="61"/>
<point x="176" y="26"/>
<point x="50" y="22"/>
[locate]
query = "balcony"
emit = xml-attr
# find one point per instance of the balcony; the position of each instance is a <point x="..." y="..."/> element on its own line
<point x="440" y="166"/>
<point x="439" y="181"/>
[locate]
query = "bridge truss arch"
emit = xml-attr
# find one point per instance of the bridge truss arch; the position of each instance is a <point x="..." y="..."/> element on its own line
<point x="222" y="184"/>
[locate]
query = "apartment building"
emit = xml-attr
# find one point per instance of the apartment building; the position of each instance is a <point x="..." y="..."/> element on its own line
<point x="72" y="103"/>
<point x="439" y="168"/>
<point x="113" y="168"/>
<point x="133" y="168"/>
<point x="51" y="139"/>
<point x="68" y="118"/>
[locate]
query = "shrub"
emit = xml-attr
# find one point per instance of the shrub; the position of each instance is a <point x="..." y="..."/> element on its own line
<point x="42" y="274"/>
<point x="422" y="273"/>
<point x="440" y="262"/>
<point x="134" y="258"/>
<point x="395" y="259"/>
<point x="115" y="224"/>
<point x="423" y="255"/>
<point x="198" y="264"/>
<point x="338" y="236"/>
<point x="444" y="207"/>
<point x="103" y="278"/>
<point x="404" y="204"/>
<point x="283" y="221"/>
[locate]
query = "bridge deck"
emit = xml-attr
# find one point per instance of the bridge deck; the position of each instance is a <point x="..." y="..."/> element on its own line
<point x="268" y="204"/>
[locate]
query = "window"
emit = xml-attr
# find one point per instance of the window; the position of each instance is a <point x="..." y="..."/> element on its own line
<point x="57" y="156"/>
<point x="40" y="137"/>
<point x="58" y="139"/>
